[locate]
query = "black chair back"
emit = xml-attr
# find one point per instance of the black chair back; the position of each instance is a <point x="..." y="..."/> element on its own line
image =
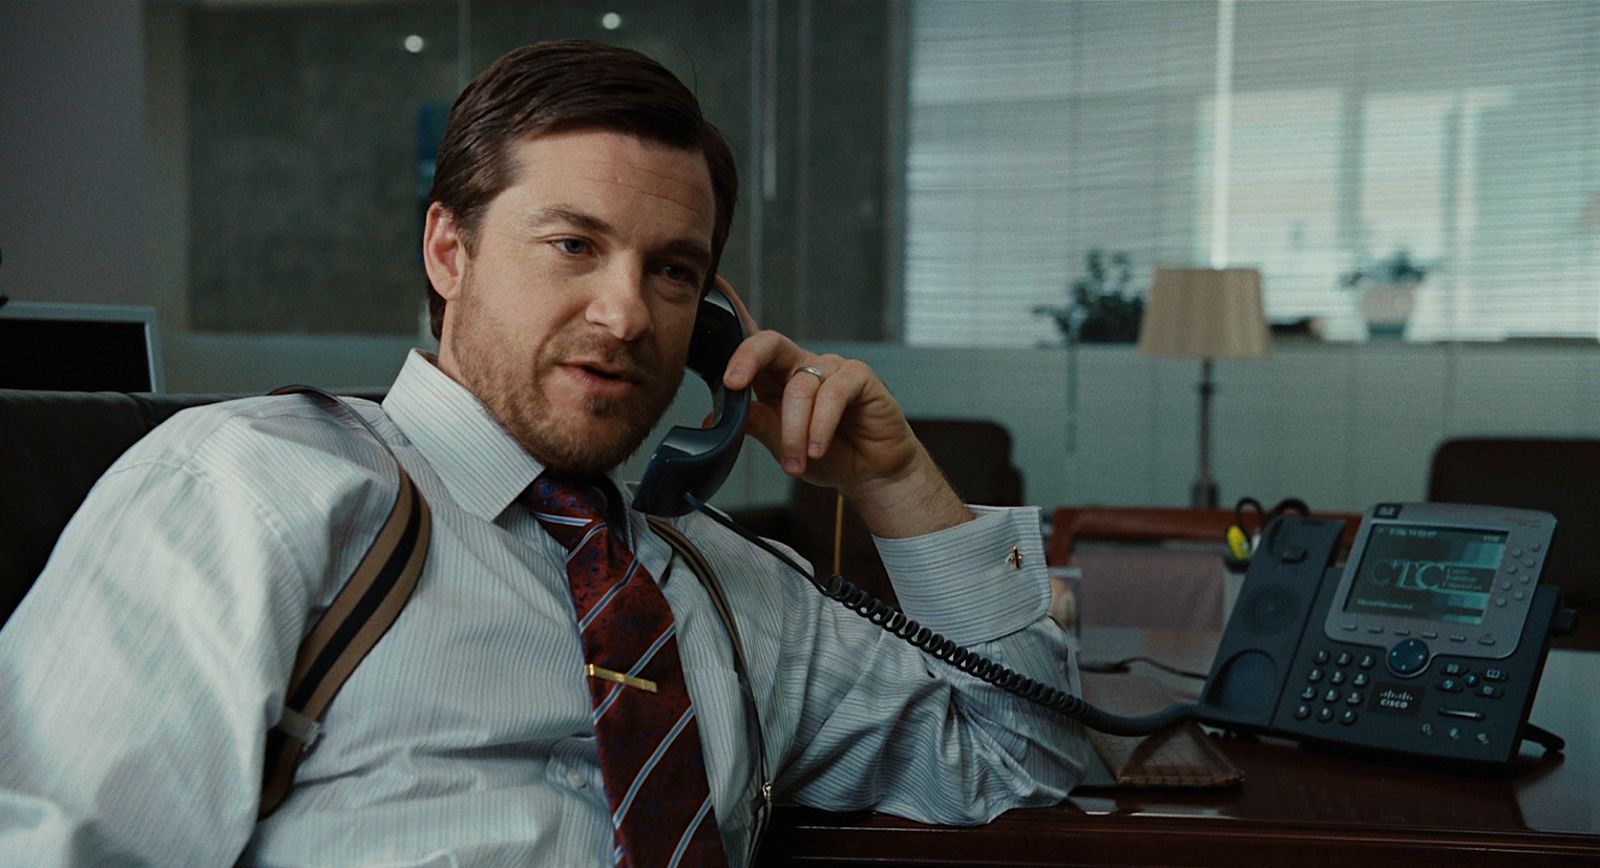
<point x="53" y="447"/>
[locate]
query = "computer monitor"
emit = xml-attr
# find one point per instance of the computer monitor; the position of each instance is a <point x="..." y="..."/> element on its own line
<point x="79" y="347"/>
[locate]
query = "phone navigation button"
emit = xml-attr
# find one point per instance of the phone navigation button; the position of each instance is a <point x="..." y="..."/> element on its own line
<point x="1408" y="657"/>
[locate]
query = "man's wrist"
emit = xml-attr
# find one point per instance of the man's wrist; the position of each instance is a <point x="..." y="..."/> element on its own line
<point x="916" y="501"/>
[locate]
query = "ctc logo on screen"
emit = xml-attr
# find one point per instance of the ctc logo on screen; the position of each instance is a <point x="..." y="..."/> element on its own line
<point x="1406" y="574"/>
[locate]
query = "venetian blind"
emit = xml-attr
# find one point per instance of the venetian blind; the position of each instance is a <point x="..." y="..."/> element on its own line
<point x="1465" y="134"/>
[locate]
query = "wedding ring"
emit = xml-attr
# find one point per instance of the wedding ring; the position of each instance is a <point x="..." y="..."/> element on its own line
<point x="807" y="369"/>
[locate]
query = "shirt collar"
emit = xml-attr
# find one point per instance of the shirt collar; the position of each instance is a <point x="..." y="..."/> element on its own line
<point x="484" y="468"/>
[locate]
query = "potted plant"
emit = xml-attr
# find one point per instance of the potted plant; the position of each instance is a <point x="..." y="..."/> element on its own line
<point x="1099" y="308"/>
<point x="1388" y="290"/>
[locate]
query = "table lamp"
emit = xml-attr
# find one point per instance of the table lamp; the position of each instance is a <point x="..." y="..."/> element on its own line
<point x="1205" y="314"/>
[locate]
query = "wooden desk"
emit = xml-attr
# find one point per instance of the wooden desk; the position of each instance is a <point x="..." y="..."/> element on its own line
<point x="1298" y="806"/>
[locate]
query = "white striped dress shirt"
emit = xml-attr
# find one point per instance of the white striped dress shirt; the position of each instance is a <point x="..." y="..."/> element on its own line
<point x="139" y="677"/>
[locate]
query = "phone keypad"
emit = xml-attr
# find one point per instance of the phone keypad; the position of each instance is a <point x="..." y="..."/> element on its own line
<point x="1336" y="685"/>
<point x="1336" y="702"/>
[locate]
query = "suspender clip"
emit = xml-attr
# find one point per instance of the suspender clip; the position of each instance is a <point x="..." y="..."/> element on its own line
<point x="300" y="728"/>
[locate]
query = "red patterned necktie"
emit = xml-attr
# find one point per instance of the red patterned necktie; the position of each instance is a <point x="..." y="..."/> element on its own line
<point x="655" y="776"/>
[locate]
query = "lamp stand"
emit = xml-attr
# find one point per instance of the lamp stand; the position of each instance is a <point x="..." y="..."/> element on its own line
<point x="1204" y="491"/>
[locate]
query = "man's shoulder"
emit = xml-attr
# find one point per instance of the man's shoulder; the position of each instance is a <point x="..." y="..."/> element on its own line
<point x="267" y="414"/>
<point x="267" y="436"/>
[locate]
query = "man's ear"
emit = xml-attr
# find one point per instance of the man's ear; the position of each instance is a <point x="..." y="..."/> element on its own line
<point x="444" y="251"/>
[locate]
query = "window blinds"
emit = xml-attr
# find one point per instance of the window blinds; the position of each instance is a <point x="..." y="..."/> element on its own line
<point x="1465" y="134"/>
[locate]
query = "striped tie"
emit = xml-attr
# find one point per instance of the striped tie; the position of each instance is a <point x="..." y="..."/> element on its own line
<point x="655" y="776"/>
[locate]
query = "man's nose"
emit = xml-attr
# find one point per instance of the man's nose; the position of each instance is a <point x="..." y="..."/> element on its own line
<point x="618" y="304"/>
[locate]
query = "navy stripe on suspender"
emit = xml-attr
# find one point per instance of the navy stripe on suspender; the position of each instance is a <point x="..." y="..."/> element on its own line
<point x="362" y="611"/>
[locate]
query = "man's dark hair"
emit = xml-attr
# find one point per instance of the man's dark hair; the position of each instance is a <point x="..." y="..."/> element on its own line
<point x="567" y="85"/>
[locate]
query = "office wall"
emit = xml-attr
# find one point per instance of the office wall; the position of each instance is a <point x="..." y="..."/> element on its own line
<point x="72" y="152"/>
<point x="1339" y="425"/>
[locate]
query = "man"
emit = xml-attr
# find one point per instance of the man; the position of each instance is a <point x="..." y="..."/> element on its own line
<point x="581" y="204"/>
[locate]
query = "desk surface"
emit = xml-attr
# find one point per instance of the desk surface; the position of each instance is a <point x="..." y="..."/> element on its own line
<point x="1298" y="806"/>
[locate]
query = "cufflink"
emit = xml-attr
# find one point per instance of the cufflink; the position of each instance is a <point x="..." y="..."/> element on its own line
<point x="1015" y="558"/>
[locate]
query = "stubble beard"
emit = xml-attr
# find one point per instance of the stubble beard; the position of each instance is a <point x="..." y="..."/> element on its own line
<point x="601" y="434"/>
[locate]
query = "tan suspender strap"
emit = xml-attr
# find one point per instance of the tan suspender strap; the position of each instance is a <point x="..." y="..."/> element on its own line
<point x="762" y="801"/>
<point x="353" y="623"/>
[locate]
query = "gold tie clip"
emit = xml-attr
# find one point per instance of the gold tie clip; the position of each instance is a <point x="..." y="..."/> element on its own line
<point x="605" y="674"/>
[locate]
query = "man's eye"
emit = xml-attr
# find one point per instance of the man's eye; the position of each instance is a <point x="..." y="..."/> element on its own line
<point x="680" y="273"/>
<point x="571" y="246"/>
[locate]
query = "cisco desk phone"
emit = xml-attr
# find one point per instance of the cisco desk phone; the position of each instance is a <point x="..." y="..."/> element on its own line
<point x="1428" y="641"/>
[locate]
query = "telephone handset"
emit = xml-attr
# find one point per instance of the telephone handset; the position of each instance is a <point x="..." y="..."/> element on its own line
<point x="1429" y="641"/>
<point x="696" y="461"/>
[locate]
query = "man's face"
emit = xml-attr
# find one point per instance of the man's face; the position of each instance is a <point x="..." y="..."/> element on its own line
<point x="571" y="320"/>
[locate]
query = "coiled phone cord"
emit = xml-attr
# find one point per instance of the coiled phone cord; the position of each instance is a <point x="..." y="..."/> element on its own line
<point x="895" y="622"/>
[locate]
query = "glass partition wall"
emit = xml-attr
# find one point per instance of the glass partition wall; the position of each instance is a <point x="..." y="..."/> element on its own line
<point x="293" y="146"/>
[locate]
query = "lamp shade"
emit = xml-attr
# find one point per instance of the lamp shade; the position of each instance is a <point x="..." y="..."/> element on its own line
<point x="1205" y="313"/>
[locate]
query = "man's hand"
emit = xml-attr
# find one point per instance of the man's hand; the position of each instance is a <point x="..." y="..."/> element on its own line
<point x="830" y="421"/>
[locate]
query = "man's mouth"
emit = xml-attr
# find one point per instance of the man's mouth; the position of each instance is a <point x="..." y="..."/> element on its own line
<point x="607" y="379"/>
<point x="616" y="373"/>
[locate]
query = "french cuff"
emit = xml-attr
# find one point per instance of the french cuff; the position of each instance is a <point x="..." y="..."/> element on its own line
<point x="977" y="581"/>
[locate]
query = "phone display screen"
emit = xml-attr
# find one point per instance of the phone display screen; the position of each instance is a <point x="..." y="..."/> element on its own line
<point x="1428" y="573"/>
